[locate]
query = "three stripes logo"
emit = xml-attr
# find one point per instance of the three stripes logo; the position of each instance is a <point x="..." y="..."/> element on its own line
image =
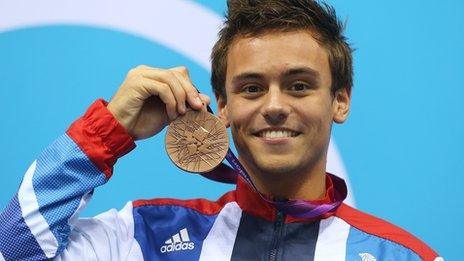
<point x="178" y="242"/>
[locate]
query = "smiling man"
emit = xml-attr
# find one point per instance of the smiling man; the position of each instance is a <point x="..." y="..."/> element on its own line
<point x="281" y="82"/>
<point x="282" y="74"/>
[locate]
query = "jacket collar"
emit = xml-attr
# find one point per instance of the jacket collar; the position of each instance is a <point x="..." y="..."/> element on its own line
<point x="251" y="202"/>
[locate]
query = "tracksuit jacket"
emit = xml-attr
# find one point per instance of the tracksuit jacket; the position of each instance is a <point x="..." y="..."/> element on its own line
<point x="42" y="220"/>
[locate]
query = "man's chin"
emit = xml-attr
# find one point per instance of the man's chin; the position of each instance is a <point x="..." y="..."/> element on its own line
<point x="279" y="168"/>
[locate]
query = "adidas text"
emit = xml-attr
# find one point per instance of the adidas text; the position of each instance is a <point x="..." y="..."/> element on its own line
<point x="177" y="247"/>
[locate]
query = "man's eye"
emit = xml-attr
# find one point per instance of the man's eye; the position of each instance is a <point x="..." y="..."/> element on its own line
<point x="299" y="87"/>
<point x="252" y="89"/>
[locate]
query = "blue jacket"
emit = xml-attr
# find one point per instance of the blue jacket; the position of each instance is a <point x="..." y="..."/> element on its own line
<point x="41" y="221"/>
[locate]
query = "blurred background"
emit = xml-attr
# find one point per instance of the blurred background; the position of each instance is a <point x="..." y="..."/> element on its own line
<point x="401" y="149"/>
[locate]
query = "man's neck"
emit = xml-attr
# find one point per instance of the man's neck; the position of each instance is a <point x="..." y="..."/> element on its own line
<point x="305" y="185"/>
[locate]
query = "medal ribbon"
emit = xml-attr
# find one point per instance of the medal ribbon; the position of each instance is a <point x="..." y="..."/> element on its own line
<point x="296" y="208"/>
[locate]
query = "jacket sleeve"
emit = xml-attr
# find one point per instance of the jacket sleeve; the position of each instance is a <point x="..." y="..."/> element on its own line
<point x="37" y="222"/>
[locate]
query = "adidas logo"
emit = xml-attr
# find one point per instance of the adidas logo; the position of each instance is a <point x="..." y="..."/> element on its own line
<point x="178" y="242"/>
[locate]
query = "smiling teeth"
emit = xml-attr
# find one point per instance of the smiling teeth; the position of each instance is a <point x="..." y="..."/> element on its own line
<point x="277" y="134"/>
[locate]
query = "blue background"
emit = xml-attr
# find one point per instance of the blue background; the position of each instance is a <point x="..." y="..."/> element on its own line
<point x="402" y="145"/>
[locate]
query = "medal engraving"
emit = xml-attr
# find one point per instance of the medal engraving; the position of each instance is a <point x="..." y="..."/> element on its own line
<point x="197" y="141"/>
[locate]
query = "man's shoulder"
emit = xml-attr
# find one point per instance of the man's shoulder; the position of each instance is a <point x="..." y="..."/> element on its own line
<point x="370" y="225"/>
<point x="200" y="205"/>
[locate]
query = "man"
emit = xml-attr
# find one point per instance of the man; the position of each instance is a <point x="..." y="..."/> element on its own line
<point x="281" y="73"/>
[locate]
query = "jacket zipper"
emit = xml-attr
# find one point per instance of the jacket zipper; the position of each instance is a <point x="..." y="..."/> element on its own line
<point x="276" y="238"/>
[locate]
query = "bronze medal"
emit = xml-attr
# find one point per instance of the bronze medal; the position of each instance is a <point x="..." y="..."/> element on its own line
<point x="197" y="141"/>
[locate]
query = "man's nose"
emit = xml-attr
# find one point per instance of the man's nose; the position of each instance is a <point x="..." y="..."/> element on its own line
<point x="275" y="109"/>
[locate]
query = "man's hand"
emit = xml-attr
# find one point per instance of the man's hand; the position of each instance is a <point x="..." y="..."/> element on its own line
<point x="149" y="98"/>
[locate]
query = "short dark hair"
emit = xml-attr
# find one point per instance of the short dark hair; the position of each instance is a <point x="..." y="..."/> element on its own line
<point x="255" y="17"/>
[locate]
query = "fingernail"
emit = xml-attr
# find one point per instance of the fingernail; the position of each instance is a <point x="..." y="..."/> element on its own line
<point x="198" y="101"/>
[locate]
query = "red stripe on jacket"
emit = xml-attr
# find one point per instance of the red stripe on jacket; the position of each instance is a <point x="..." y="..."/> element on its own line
<point x="201" y="205"/>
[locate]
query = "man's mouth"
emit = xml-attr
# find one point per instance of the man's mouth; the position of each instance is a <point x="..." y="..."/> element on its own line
<point x="276" y="134"/>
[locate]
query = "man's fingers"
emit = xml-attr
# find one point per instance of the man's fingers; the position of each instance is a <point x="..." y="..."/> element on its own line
<point x="205" y="99"/>
<point x="164" y="92"/>
<point x="171" y="80"/>
<point x="192" y="95"/>
<point x="199" y="100"/>
<point x="173" y="86"/>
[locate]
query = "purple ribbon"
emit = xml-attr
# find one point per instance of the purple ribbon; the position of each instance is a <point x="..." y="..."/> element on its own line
<point x="296" y="208"/>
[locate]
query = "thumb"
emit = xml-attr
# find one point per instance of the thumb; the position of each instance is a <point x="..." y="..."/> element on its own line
<point x="205" y="99"/>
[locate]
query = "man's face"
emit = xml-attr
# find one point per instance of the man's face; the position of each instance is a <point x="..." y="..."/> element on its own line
<point x="279" y="103"/>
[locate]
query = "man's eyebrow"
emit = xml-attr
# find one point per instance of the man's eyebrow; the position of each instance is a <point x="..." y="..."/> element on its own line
<point x="313" y="74"/>
<point x="247" y="76"/>
<point x="302" y="70"/>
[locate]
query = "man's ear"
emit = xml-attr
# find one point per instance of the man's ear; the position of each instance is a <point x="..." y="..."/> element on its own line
<point x="222" y="109"/>
<point x="341" y="104"/>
